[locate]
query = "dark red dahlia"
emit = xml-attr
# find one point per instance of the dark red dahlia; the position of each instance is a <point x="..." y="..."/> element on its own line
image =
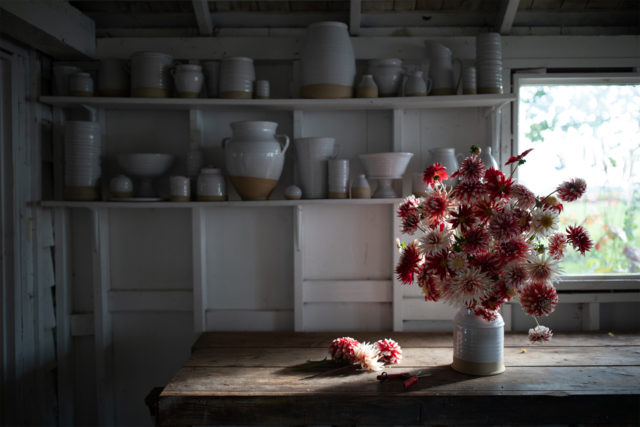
<point x="484" y="210"/>
<point x="513" y="249"/>
<point x="519" y="158"/>
<point x="579" y="238"/>
<point x="487" y="314"/>
<point x="476" y="240"/>
<point x="462" y="218"/>
<point x="437" y="263"/>
<point x="498" y="185"/>
<point x="435" y="173"/>
<point x="471" y="170"/>
<point x="435" y="206"/>
<point x="468" y="192"/>
<point x="429" y="285"/>
<point x="409" y="263"/>
<point x="557" y="245"/>
<point x="503" y="225"/>
<point x="539" y="299"/>
<point x="489" y="263"/>
<point x="572" y="190"/>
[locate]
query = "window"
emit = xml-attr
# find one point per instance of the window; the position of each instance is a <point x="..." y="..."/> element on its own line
<point x="587" y="127"/>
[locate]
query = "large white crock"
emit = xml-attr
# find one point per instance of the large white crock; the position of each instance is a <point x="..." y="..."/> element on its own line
<point x="254" y="158"/>
<point x="478" y="345"/>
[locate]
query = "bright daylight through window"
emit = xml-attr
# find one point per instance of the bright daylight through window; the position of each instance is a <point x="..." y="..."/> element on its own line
<point x="591" y="131"/>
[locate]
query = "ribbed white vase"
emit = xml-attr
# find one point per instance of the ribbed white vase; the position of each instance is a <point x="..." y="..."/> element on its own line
<point x="478" y="345"/>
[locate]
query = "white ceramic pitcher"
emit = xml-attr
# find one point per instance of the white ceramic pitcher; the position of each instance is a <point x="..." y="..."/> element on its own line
<point x="441" y="69"/>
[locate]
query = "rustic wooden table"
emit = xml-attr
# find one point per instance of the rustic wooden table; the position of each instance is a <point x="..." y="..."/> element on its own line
<point x="255" y="378"/>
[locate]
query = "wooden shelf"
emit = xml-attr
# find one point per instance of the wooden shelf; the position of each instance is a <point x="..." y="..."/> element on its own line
<point x="418" y="102"/>
<point x="228" y="204"/>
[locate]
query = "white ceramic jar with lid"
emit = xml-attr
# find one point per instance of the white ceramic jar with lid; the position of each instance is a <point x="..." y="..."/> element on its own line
<point x="80" y="84"/>
<point x="211" y="185"/>
<point x="188" y="79"/>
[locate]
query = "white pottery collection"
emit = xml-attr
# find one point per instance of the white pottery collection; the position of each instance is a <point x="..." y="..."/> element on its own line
<point x="150" y="77"/>
<point x="254" y="157"/>
<point x="478" y="345"/>
<point x="327" y="61"/>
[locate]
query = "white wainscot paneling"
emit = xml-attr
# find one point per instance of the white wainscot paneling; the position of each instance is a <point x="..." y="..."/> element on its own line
<point x="347" y="317"/>
<point x="150" y="249"/>
<point x="249" y="259"/>
<point x="351" y="242"/>
<point x="148" y="349"/>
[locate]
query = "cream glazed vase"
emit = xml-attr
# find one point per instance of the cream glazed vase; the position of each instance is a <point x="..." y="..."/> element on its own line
<point x="478" y="345"/>
<point x="254" y="158"/>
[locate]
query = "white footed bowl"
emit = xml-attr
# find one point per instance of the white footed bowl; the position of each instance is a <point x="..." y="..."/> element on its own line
<point x="385" y="165"/>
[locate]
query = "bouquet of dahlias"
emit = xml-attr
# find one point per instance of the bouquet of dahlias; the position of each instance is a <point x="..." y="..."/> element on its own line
<point x="488" y="239"/>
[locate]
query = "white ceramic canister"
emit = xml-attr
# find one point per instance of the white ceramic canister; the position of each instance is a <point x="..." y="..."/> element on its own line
<point x="188" y="79"/>
<point x="360" y="188"/>
<point x="211" y="185"/>
<point x="150" y="76"/>
<point x="237" y="77"/>
<point x="441" y="69"/>
<point x="179" y="189"/>
<point x="82" y="159"/>
<point x="262" y="89"/>
<point x="388" y="75"/>
<point x="338" y="178"/>
<point x="328" y="66"/>
<point x="113" y="77"/>
<point x="312" y="155"/>
<point x="478" y="344"/>
<point x="80" y="84"/>
<point x="254" y="158"/>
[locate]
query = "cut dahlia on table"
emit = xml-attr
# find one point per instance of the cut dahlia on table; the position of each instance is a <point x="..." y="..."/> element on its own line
<point x="487" y="240"/>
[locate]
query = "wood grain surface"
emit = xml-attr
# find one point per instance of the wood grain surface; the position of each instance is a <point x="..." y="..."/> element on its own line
<point x="273" y="378"/>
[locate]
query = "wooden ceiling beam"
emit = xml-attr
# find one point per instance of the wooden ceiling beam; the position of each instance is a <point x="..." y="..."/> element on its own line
<point x="507" y="15"/>
<point x="203" y="17"/>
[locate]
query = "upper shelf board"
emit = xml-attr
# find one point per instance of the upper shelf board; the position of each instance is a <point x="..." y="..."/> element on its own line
<point x="417" y="102"/>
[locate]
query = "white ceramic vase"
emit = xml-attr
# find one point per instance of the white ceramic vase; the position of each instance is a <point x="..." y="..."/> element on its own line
<point x="327" y="61"/>
<point x="478" y="345"/>
<point x="254" y="158"/>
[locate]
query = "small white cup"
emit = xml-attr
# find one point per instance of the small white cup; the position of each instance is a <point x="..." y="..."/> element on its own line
<point x="262" y="89"/>
<point x="180" y="188"/>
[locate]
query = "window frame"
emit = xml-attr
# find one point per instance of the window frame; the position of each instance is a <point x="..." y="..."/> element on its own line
<point x="577" y="282"/>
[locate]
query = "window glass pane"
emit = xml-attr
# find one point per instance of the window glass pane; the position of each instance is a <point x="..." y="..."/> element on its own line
<point x="591" y="132"/>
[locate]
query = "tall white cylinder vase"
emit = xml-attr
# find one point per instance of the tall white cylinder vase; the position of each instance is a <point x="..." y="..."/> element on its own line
<point x="478" y="344"/>
<point x="328" y="64"/>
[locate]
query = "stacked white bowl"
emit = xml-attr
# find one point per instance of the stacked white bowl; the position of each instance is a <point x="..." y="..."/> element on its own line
<point x="489" y="63"/>
<point x="82" y="151"/>
<point x="237" y="75"/>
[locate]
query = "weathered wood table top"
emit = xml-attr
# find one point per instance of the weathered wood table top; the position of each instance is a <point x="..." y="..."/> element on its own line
<point x="265" y="378"/>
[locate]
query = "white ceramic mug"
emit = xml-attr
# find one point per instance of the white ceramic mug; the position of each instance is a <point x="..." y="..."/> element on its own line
<point x="180" y="188"/>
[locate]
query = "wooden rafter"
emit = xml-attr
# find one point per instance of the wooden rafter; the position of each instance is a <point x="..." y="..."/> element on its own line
<point x="203" y="17"/>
